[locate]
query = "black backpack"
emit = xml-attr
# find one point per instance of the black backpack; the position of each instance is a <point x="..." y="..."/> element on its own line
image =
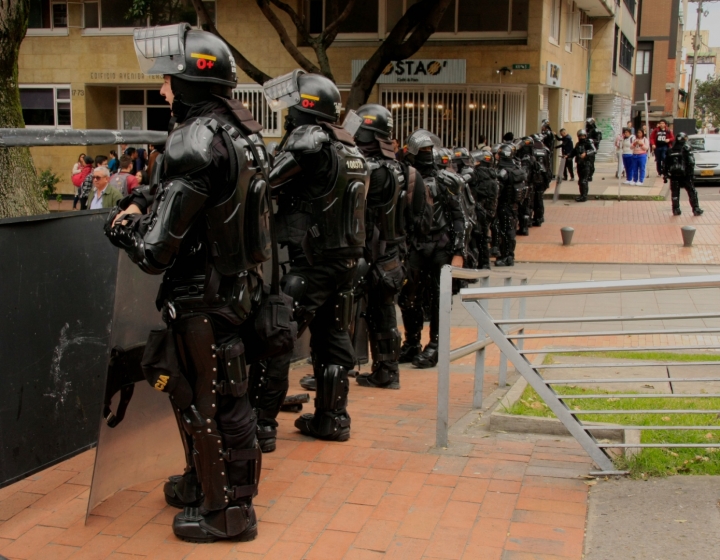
<point x="675" y="165"/>
<point x="518" y="178"/>
<point x="486" y="186"/>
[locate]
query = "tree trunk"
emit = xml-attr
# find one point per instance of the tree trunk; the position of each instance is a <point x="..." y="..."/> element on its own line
<point x="20" y="191"/>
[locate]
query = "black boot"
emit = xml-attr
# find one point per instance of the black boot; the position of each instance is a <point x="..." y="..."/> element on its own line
<point x="382" y="377"/>
<point x="494" y="251"/>
<point x="183" y="490"/>
<point x="429" y="357"/>
<point x="308" y="383"/>
<point x="235" y="523"/>
<point x="695" y="203"/>
<point x="507" y="261"/>
<point x="330" y="421"/>
<point x="267" y="437"/>
<point x="409" y="350"/>
<point x="697" y="211"/>
<point x="676" y="206"/>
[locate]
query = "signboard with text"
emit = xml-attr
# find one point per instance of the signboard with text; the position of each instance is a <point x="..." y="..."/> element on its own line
<point x="419" y="71"/>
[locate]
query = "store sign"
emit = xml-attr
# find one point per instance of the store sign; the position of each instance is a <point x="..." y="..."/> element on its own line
<point x="554" y="75"/>
<point x="418" y="71"/>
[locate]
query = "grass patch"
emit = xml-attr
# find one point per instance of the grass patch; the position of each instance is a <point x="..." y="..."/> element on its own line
<point x="649" y="462"/>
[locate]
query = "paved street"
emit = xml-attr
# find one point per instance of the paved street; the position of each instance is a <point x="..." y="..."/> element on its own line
<point x="388" y="491"/>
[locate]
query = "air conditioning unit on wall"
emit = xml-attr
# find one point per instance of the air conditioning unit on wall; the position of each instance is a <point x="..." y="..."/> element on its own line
<point x="586" y="32"/>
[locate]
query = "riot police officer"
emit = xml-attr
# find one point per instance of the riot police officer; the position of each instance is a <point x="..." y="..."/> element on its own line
<point x="387" y="200"/>
<point x="526" y="156"/>
<point x="485" y="189"/>
<point x="547" y="136"/>
<point x="187" y="226"/>
<point x="583" y="153"/>
<point x="679" y="167"/>
<point x="541" y="178"/>
<point x="513" y="189"/>
<point x="446" y="243"/>
<point x="320" y="180"/>
<point x="595" y="136"/>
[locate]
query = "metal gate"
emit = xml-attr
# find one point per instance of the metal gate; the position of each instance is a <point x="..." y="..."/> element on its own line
<point x="611" y="112"/>
<point x="457" y="114"/>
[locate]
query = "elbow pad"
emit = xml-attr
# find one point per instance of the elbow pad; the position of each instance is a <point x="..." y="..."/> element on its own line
<point x="285" y="168"/>
<point x="179" y="204"/>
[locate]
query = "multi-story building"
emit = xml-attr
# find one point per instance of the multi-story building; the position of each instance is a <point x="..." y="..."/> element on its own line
<point x="659" y="59"/>
<point x="499" y="65"/>
<point x="611" y="73"/>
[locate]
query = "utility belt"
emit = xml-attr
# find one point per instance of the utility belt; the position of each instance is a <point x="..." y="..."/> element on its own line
<point x="197" y="293"/>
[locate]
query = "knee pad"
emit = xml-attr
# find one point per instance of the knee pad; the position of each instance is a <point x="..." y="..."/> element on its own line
<point x="385" y="346"/>
<point x="295" y="286"/>
<point x="332" y="389"/>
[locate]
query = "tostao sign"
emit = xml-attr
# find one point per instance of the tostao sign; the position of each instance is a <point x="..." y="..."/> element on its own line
<point x="418" y="71"/>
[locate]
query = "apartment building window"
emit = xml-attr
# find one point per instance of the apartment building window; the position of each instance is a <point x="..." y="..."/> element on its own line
<point x="630" y="6"/>
<point x="463" y="18"/>
<point x="569" y="25"/>
<point x="555" y="12"/>
<point x="46" y="106"/>
<point x="642" y="62"/>
<point x="578" y="107"/>
<point x="627" y="51"/>
<point x="117" y="13"/>
<point x="45" y="14"/>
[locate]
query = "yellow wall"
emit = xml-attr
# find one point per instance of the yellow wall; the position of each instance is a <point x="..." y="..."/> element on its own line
<point x="88" y="62"/>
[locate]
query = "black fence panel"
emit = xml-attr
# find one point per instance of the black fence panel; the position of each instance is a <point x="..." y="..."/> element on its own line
<point x="57" y="288"/>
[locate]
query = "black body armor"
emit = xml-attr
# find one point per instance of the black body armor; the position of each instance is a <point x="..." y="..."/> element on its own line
<point x="336" y="218"/>
<point x="389" y="217"/>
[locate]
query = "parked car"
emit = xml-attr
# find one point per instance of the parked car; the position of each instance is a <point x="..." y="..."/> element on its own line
<point x="706" y="149"/>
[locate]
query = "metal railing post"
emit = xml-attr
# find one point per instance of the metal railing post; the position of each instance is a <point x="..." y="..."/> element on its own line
<point x="480" y="359"/>
<point x="502" y="370"/>
<point x="521" y="315"/>
<point x="443" y="392"/>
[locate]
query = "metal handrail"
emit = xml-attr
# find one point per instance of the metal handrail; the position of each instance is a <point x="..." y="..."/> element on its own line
<point x="592" y="287"/>
<point x="445" y="355"/>
<point x="475" y="300"/>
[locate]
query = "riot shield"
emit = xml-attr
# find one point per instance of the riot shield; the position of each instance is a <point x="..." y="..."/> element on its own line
<point x="144" y="444"/>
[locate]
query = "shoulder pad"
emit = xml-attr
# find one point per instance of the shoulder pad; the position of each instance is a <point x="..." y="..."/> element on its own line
<point x="306" y="138"/>
<point x="373" y="164"/>
<point x="502" y="174"/>
<point x="189" y="147"/>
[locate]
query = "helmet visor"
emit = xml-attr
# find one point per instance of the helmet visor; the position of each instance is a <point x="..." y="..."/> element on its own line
<point x="161" y="50"/>
<point x="422" y="138"/>
<point x="283" y="92"/>
<point x="352" y="122"/>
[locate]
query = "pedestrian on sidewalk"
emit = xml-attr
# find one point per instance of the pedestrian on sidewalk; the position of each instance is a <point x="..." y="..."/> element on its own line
<point x="566" y="147"/>
<point x="79" y="171"/>
<point x="624" y="144"/>
<point x="640" y="147"/>
<point x="661" y="139"/>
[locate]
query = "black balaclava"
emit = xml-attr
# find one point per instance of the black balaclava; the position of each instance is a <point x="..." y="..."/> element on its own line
<point x="189" y="95"/>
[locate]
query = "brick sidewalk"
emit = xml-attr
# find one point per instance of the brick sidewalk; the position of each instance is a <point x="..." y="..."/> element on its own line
<point x="623" y="232"/>
<point x="386" y="492"/>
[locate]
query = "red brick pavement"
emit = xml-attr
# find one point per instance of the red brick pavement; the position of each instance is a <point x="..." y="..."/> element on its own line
<point x="624" y="232"/>
<point x="384" y="493"/>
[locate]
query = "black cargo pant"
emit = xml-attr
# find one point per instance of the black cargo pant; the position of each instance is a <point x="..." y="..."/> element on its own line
<point x="507" y="227"/>
<point x="423" y="278"/>
<point x="315" y="291"/>
<point x="687" y="184"/>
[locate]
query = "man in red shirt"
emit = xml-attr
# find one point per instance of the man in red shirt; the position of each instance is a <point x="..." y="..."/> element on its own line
<point x="661" y="140"/>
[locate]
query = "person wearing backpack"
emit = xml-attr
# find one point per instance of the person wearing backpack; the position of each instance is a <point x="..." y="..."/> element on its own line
<point x="679" y="167"/>
<point x="124" y="181"/>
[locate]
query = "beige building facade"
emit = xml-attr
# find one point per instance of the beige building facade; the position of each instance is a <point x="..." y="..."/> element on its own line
<point x="492" y="67"/>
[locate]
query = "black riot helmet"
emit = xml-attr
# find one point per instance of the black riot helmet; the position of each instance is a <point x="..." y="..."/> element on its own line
<point x="681" y="138"/>
<point x="506" y="152"/>
<point x="376" y="121"/>
<point x="443" y="157"/>
<point x="582" y="133"/>
<point x="462" y="156"/>
<point x="305" y="95"/>
<point x="417" y="144"/>
<point x="590" y="122"/>
<point x="483" y="158"/>
<point x="199" y="63"/>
